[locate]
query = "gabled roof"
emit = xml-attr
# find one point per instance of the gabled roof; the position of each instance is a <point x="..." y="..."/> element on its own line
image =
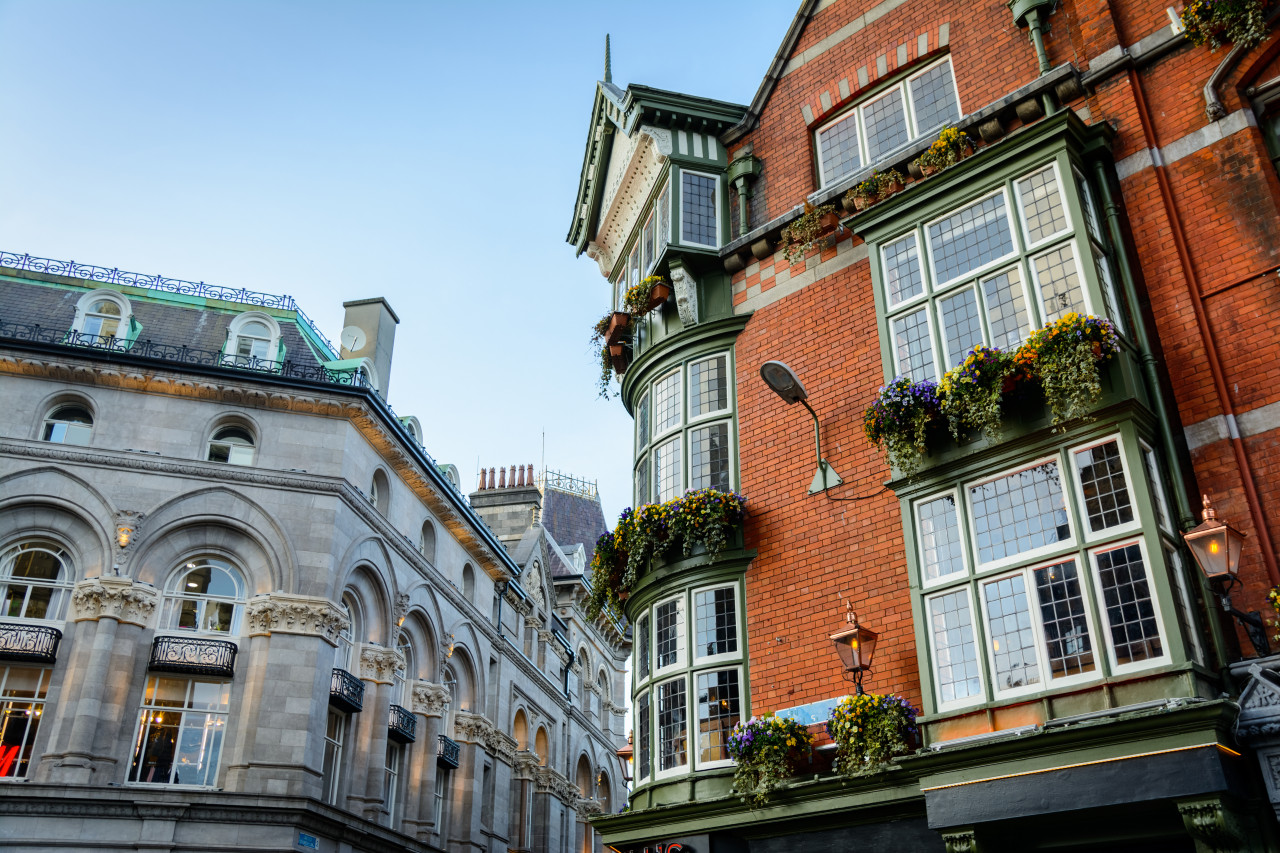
<point x="624" y="110"/>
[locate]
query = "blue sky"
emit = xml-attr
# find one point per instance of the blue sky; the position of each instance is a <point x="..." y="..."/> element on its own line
<point x="426" y="152"/>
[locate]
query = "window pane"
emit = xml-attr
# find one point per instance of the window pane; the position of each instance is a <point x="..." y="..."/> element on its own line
<point x="642" y="648"/>
<point x="838" y="149"/>
<point x="667" y="624"/>
<point x="708" y="388"/>
<point x="1042" y="205"/>
<point x="719" y="710"/>
<point x="1106" y="494"/>
<point x="940" y="545"/>
<point x="664" y="218"/>
<point x="1116" y="309"/>
<point x="666" y="403"/>
<point x="886" y="123"/>
<point x="647" y="259"/>
<point x="1013" y="644"/>
<point x="717" y="622"/>
<point x="666" y="470"/>
<point x="955" y="652"/>
<point x="1006" y="308"/>
<point x="642" y="482"/>
<point x="1127" y="598"/>
<point x="643" y="723"/>
<point x="642" y="422"/>
<point x="970" y="238"/>
<point x="1091" y="220"/>
<point x="633" y="267"/>
<point x="672" y="750"/>
<point x="698" y="209"/>
<point x="912" y="345"/>
<point x="1062" y="613"/>
<point x="961" y="325"/>
<point x="709" y="457"/>
<point x="1060" y="289"/>
<point x="1152" y="465"/>
<point x="902" y="278"/>
<point x="933" y="98"/>
<point x="1020" y="512"/>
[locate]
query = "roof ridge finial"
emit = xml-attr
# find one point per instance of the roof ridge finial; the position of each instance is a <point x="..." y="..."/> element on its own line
<point x="608" y="69"/>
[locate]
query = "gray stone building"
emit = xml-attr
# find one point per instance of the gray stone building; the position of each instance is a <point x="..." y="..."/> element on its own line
<point x="241" y="607"/>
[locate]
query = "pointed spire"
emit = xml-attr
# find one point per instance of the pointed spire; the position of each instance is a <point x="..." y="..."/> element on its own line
<point x="608" y="69"/>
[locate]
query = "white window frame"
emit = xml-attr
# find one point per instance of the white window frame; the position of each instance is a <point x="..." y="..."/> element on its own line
<point x="658" y="673"/>
<point x="1075" y="257"/>
<point x="655" y="713"/>
<point x="718" y="211"/>
<point x="864" y="143"/>
<point x="914" y="115"/>
<point x="979" y="634"/>
<point x="853" y="114"/>
<point x="234" y="334"/>
<point x="966" y="571"/>
<point x="1078" y="490"/>
<point x="142" y="727"/>
<point x="649" y="246"/>
<point x="925" y="289"/>
<point x="1096" y="577"/>
<point x="174" y="596"/>
<point x="89" y="298"/>
<point x="332" y="783"/>
<point x="1177" y="570"/>
<point x="677" y="440"/>
<point x="933" y="342"/>
<point x="1028" y="299"/>
<point x="1068" y="544"/>
<point x="690" y="418"/>
<point x="218" y="428"/>
<point x="649" y="730"/>
<point x="35" y="712"/>
<point x="939" y="286"/>
<point x="706" y="660"/>
<point x="654" y="435"/>
<point x="688" y="452"/>
<point x="1024" y="222"/>
<point x="647" y="619"/>
<point x="972" y="287"/>
<point x="1046" y="682"/>
<point x="695" y="749"/>
<point x="1154" y="474"/>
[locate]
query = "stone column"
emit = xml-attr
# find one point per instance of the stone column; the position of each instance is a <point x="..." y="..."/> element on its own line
<point x="521" y="822"/>
<point x="429" y="704"/>
<point x="377" y="669"/>
<point x="99" y="606"/>
<point x="473" y="731"/>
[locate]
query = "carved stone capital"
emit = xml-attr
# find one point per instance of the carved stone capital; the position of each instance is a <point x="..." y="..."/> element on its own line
<point x="961" y="841"/>
<point x="430" y="699"/>
<point x="546" y="780"/>
<point x="114" y="598"/>
<point x="378" y="664"/>
<point x="685" y="287"/>
<point x="501" y="744"/>
<point x="559" y="650"/>
<point x="471" y="728"/>
<point x="525" y="765"/>
<point x="586" y="808"/>
<point x="295" y="614"/>
<point x="1211" y="823"/>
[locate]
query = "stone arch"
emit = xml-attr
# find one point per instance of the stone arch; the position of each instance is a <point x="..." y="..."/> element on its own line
<point x="380" y="491"/>
<point x="604" y="791"/>
<point x="50" y="504"/>
<point x="56" y="399"/>
<point x="231" y="521"/>
<point x="365" y="585"/>
<point x="520" y="729"/>
<point x="542" y="746"/>
<point x="469" y="583"/>
<point x="584" y="776"/>
<point x="417" y="629"/>
<point x="222" y="421"/>
<point x="469" y="684"/>
<point x="427" y="541"/>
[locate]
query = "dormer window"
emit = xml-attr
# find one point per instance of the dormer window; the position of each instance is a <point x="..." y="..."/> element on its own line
<point x="101" y="318"/>
<point x="252" y="339"/>
<point x="863" y="135"/>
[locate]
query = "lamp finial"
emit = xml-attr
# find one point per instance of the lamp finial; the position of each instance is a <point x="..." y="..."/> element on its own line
<point x="1208" y="509"/>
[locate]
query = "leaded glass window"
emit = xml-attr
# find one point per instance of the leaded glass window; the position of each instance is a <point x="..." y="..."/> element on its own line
<point x="954" y="648"/>
<point x="669" y="633"/>
<point x="716" y="622"/>
<point x="698" y="209"/>
<point x="940" y="539"/>
<point x="709" y="457"/>
<point x="1066" y="626"/>
<point x="1127" y="603"/>
<point x="666" y="402"/>
<point x="1018" y="513"/>
<point x="902" y="270"/>
<point x="672" y="734"/>
<point x="719" y="710"/>
<point x="708" y="386"/>
<point x="886" y="122"/>
<point x="970" y="238"/>
<point x="1102" y="481"/>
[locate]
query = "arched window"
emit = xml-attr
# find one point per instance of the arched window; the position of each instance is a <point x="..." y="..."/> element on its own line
<point x="520" y="730"/>
<point x="231" y="444"/>
<point x="468" y="582"/>
<point x="541" y="745"/>
<point x="35" y="579"/>
<point x="450" y="682"/>
<point x="207" y="594"/>
<point x="101" y="318"/>
<point x="380" y="492"/>
<point x="253" y="338"/>
<point x="346" y="638"/>
<point x="69" y="423"/>
<point x="402" y="677"/>
<point x="427" y="541"/>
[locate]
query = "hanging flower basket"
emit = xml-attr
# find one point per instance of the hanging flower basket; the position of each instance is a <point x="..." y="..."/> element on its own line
<point x="869" y="730"/>
<point x="1220" y="22"/>
<point x="898" y="421"/>
<point x="619" y="327"/>
<point x="768" y="750"/>
<point x="970" y="392"/>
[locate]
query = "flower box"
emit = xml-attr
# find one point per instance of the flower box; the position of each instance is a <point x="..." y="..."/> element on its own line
<point x="619" y="327"/>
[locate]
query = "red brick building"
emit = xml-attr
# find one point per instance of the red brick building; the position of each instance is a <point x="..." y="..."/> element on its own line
<point x="1031" y="592"/>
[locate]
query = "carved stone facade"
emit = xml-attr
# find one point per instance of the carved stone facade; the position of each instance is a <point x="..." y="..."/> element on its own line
<point x="114" y="598"/>
<point x="295" y="614"/>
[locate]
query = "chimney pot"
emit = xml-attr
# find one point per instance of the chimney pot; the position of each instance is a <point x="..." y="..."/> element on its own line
<point x="502" y="478"/>
<point x="491" y="477"/>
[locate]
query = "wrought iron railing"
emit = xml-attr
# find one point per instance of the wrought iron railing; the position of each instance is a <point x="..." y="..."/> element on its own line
<point x="346" y="692"/>
<point x="29" y="643"/>
<point x="401" y="725"/>
<point x="566" y="483"/>
<point x="448" y="753"/>
<point x="92" y="272"/>
<point x="181" y="354"/>
<point x="193" y="656"/>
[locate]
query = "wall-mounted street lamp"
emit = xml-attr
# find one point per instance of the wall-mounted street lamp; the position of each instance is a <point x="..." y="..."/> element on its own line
<point x="855" y="645"/>
<point x="1216" y="547"/>
<point x="786" y="384"/>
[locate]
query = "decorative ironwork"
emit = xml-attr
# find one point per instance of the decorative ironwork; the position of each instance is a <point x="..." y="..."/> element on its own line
<point x="566" y="483"/>
<point x="346" y="692"/>
<point x="193" y="656"/>
<point x="179" y="354"/>
<point x="92" y="272"/>
<point x="29" y="643"/>
<point x="448" y="753"/>
<point x="401" y="725"/>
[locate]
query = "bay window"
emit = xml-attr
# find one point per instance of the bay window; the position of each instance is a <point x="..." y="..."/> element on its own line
<point x="917" y="105"/>
<point x="699" y="209"/>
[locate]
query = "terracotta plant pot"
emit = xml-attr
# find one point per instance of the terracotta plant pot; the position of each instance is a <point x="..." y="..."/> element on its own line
<point x="619" y="327"/>
<point x="658" y="294"/>
<point x="1097" y="351"/>
<point x="849" y="204"/>
<point x="615" y="350"/>
<point x="620" y="360"/>
<point x="861" y="202"/>
<point x="829" y="222"/>
<point x="930" y="171"/>
<point x="893" y="187"/>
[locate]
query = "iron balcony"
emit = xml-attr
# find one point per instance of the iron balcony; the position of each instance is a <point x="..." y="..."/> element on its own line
<point x="193" y="656"/>
<point x="29" y="643"/>
<point x="346" y="692"/>
<point x="401" y="725"/>
<point x="447" y="754"/>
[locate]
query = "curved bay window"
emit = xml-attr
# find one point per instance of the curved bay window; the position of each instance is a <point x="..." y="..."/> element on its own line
<point x="689" y="687"/>
<point x="1042" y="577"/>
<point x="685" y="431"/>
<point x="207" y="595"/>
<point x="180" y="731"/>
<point x="35" y="580"/>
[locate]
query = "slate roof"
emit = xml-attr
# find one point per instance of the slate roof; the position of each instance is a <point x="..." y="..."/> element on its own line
<point x="572" y="520"/>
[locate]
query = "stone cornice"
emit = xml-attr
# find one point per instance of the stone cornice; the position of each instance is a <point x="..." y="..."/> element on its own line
<point x="161" y="379"/>
<point x="430" y="699"/>
<point x="113" y="598"/>
<point x="281" y="613"/>
<point x="379" y="664"/>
